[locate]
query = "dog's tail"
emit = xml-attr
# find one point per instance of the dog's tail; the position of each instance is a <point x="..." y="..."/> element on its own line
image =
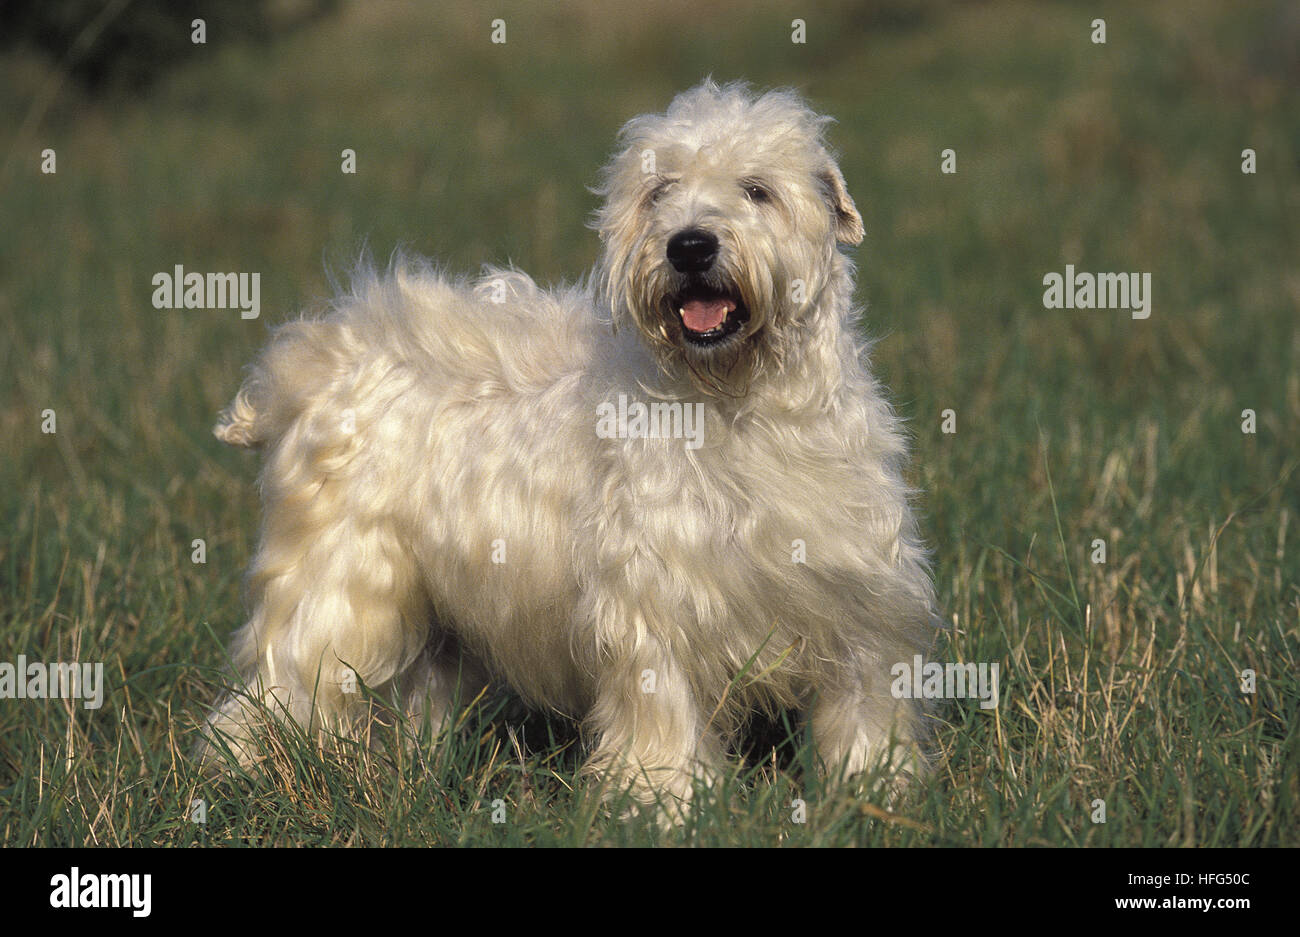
<point x="293" y="374"/>
<point x="238" y="424"/>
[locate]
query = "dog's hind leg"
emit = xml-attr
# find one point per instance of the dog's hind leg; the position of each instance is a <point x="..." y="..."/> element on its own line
<point x="337" y="608"/>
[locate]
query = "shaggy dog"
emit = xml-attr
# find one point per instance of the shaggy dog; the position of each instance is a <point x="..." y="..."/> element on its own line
<point x="655" y="501"/>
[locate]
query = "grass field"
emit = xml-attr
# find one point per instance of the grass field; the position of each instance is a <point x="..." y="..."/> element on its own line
<point x="1120" y="681"/>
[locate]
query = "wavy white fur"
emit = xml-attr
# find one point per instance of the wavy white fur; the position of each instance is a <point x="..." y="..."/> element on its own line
<point x="439" y="506"/>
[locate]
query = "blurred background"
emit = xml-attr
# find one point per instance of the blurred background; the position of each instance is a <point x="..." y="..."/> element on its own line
<point x="1071" y="424"/>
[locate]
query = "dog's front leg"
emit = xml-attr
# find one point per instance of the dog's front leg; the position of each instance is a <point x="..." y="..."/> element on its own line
<point x="858" y="726"/>
<point x="652" y="737"/>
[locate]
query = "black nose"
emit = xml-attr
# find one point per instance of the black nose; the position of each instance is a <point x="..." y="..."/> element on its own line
<point x="692" y="250"/>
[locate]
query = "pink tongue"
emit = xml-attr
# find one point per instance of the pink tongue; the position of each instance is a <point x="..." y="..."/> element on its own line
<point x="703" y="315"/>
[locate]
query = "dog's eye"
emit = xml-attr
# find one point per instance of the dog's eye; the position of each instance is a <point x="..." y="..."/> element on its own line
<point x="658" y="191"/>
<point x="756" y="193"/>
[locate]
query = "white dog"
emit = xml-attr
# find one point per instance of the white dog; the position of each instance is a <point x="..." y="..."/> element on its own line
<point x="655" y="501"/>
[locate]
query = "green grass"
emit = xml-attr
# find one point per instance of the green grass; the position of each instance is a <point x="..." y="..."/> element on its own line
<point x="1120" y="681"/>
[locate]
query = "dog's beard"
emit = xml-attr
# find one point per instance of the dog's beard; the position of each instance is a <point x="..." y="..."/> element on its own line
<point x="713" y="324"/>
<point x="707" y="318"/>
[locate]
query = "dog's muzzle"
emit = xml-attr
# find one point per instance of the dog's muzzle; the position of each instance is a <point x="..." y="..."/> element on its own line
<point x="709" y="310"/>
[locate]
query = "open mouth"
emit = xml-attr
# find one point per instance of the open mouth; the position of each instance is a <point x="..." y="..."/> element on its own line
<point x="709" y="315"/>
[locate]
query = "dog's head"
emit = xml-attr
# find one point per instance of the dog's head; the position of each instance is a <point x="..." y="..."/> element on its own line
<point x="720" y="229"/>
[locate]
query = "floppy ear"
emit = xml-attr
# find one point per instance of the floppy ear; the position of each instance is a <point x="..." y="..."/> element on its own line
<point x="848" y="223"/>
